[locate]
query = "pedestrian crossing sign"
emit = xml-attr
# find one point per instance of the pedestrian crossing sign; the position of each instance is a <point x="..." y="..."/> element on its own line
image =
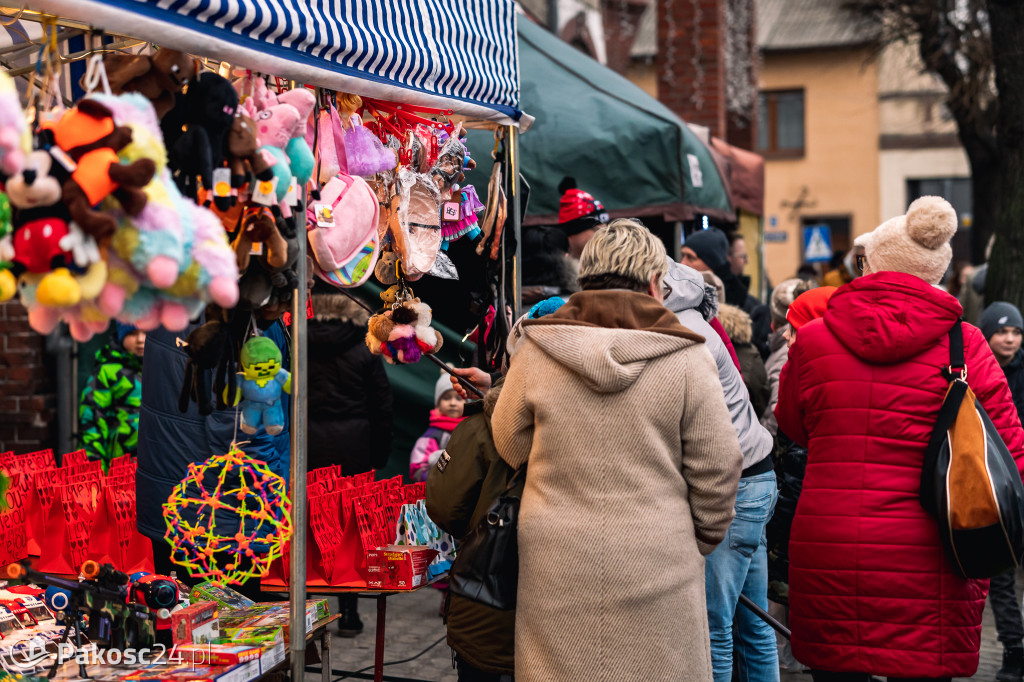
<point x="817" y="243"/>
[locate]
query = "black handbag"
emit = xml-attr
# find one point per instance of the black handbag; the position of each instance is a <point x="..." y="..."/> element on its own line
<point x="970" y="482"/>
<point x="486" y="567"/>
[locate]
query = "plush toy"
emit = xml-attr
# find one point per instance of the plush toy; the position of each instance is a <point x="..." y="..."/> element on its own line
<point x="159" y="253"/>
<point x="212" y="346"/>
<point x="89" y="136"/>
<point x="14" y="133"/>
<point x="261" y="387"/>
<point x="401" y="331"/>
<point x="244" y="158"/>
<point x="196" y="129"/>
<point x="259" y="229"/>
<point x="40" y="242"/>
<point x="159" y="77"/>
<point x="300" y="156"/>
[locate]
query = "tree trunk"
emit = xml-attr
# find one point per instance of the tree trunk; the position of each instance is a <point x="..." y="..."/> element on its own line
<point x="986" y="187"/>
<point x="1005" y="279"/>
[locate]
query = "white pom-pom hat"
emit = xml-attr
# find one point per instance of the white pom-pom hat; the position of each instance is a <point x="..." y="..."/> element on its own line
<point x="916" y="243"/>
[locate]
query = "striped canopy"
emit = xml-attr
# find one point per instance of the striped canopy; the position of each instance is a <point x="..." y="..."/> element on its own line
<point x="458" y="54"/>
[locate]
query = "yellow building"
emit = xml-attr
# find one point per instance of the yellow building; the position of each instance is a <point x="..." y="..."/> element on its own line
<point x="819" y="127"/>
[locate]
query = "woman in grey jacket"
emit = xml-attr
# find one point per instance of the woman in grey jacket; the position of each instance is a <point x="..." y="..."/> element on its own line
<point x="740" y="562"/>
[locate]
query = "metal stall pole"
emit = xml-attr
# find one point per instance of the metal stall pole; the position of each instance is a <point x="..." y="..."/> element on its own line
<point x="517" y="219"/>
<point x="300" y="393"/>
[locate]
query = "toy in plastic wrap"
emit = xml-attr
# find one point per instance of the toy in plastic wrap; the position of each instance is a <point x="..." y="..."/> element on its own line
<point x="228" y="519"/>
<point x="263" y="382"/>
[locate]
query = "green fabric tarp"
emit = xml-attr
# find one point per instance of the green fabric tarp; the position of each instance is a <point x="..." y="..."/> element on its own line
<point x="622" y="145"/>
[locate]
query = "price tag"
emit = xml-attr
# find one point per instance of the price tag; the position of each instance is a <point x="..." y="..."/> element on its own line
<point x="265" y="192"/>
<point x="451" y="212"/>
<point x="257" y="249"/>
<point x="221" y="182"/>
<point x="292" y="197"/>
<point x="324" y="215"/>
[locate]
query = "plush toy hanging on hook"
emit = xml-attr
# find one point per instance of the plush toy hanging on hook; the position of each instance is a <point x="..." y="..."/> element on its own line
<point x="401" y="330"/>
<point x="263" y="382"/>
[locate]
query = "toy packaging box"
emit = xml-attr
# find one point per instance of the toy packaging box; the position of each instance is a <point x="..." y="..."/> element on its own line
<point x="196" y="624"/>
<point x="257" y="635"/>
<point x="398" y="567"/>
<point x="225" y="597"/>
<point x="217" y="654"/>
<point x="272" y="656"/>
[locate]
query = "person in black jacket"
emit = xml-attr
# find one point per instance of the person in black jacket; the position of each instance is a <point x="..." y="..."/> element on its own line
<point x="350" y="402"/>
<point x="710" y="250"/>
<point x="1002" y="325"/>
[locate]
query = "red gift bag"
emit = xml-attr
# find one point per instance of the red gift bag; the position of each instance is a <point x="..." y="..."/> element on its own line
<point x="73" y="458"/>
<point x="69" y="526"/>
<point x="115" y="537"/>
<point x="13" y="540"/>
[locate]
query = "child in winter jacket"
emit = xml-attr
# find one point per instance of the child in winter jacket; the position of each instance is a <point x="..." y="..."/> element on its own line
<point x="1002" y="325"/>
<point x="445" y="416"/>
<point x="109" y="411"/>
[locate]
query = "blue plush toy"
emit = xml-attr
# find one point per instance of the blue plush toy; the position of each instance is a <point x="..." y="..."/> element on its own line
<point x="261" y="387"/>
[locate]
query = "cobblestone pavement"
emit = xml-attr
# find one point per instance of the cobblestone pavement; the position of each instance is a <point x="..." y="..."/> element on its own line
<point x="413" y="624"/>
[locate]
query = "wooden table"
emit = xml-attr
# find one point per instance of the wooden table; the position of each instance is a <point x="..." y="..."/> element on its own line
<point x="381" y="597"/>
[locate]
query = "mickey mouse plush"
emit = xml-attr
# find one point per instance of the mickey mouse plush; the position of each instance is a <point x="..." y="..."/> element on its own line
<point x="41" y="238"/>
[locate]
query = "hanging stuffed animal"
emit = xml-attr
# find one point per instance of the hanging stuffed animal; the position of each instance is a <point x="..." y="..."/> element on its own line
<point x="261" y="387"/>
<point x="401" y="331"/>
<point x="196" y="129"/>
<point x="159" y="77"/>
<point x="88" y="135"/>
<point x="14" y="133"/>
<point x="40" y="239"/>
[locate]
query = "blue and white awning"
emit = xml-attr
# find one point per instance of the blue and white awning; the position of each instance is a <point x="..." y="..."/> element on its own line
<point x="458" y="54"/>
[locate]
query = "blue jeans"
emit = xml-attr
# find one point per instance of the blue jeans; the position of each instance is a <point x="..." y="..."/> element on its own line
<point x="740" y="564"/>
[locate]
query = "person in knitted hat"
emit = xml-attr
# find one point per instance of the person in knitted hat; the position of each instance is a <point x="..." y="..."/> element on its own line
<point x="782" y="296"/>
<point x="1002" y="325"/>
<point x="806" y="307"/>
<point x="708" y="249"/>
<point x="579" y="214"/>
<point x="445" y="416"/>
<point x="862" y="391"/>
<point x="108" y="413"/>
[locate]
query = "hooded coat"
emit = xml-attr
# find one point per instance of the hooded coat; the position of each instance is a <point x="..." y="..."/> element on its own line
<point x="755" y="378"/>
<point x="686" y="298"/>
<point x="108" y="412"/>
<point x="350" y="402"/>
<point x="460" y="492"/>
<point x="614" y="520"/>
<point x="871" y="588"/>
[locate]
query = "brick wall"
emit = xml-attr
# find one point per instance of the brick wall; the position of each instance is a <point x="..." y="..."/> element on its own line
<point x="621" y="18"/>
<point x="27" y="397"/>
<point x="691" y="61"/>
<point x="693" y="69"/>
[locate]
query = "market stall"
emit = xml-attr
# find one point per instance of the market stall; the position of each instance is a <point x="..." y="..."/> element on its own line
<point x="356" y="115"/>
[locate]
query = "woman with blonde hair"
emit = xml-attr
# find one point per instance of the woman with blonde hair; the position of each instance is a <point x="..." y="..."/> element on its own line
<point x="633" y="470"/>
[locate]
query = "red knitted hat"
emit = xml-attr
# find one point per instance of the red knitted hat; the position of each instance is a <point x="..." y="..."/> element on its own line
<point x="578" y="210"/>
<point x="808" y="306"/>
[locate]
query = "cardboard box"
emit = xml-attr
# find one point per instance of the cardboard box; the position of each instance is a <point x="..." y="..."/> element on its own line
<point x="196" y="624"/>
<point x="256" y="635"/>
<point x="272" y="657"/>
<point x="224" y="596"/>
<point x="398" y="567"/>
<point x="216" y="654"/>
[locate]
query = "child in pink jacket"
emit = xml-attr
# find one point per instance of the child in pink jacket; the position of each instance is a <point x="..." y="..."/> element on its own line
<point x="445" y="416"/>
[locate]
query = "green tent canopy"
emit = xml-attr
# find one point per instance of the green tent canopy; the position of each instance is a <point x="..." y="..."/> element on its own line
<point x="622" y="145"/>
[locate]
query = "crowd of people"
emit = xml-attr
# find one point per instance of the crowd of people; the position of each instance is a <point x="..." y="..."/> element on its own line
<point x="684" y="450"/>
<point x="687" y="444"/>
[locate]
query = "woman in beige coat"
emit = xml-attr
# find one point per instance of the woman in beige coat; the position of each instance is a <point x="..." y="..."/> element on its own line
<point x="633" y="472"/>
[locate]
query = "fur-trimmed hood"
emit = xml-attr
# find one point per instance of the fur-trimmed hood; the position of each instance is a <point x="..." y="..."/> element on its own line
<point x="736" y="323"/>
<point x="331" y="307"/>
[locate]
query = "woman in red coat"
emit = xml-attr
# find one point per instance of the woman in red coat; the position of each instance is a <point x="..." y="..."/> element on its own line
<point x="871" y="589"/>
